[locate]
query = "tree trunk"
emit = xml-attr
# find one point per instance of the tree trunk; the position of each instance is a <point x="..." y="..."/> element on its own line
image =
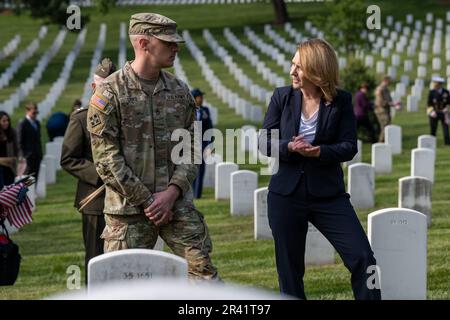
<point x="281" y="14"/>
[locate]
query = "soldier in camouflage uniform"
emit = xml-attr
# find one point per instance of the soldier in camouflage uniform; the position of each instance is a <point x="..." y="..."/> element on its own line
<point x="383" y="103"/>
<point x="131" y="118"/>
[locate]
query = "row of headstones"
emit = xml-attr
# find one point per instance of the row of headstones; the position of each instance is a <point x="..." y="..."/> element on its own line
<point x="247" y="53"/>
<point x="288" y="46"/>
<point x="47" y="104"/>
<point x="179" y="72"/>
<point x="96" y="56"/>
<point x="268" y="49"/>
<point x="51" y="160"/>
<point x="18" y="61"/>
<point x="380" y="65"/>
<point x="33" y="79"/>
<point x="406" y="30"/>
<point x="412" y="48"/>
<point x="122" y="57"/>
<point x="10" y="47"/>
<point x="234" y="184"/>
<point x="184" y="2"/>
<point x="242" y="107"/>
<point x="401" y="41"/>
<point x="245" y="82"/>
<point x="398" y="238"/>
<point x="414" y="191"/>
<point x="398" y="43"/>
<point x="416" y="90"/>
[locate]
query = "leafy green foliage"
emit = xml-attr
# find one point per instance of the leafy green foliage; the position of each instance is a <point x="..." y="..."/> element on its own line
<point x="354" y="75"/>
<point x="343" y="21"/>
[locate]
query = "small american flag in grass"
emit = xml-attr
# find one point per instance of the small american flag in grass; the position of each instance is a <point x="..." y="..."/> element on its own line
<point x="15" y="204"/>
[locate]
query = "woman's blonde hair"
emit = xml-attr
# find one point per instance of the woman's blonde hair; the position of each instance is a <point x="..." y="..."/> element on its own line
<point x="319" y="64"/>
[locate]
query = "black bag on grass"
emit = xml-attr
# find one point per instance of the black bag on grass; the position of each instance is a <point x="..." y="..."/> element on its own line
<point x="9" y="259"/>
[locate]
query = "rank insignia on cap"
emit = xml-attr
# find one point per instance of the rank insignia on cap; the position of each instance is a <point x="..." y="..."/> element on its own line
<point x="99" y="101"/>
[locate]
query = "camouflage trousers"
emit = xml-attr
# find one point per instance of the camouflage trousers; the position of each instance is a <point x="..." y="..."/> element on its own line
<point x="384" y="119"/>
<point x="186" y="235"/>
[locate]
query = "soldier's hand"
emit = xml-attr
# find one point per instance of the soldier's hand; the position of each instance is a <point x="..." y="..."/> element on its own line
<point x="160" y="211"/>
<point x="433" y="114"/>
<point x="162" y="219"/>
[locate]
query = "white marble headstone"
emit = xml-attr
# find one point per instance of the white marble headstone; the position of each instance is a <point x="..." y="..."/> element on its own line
<point x="382" y="158"/>
<point x="361" y="185"/>
<point x="223" y="179"/>
<point x="426" y="141"/>
<point x="318" y="250"/>
<point x="41" y="183"/>
<point x="398" y="238"/>
<point x="243" y="185"/>
<point x="358" y="156"/>
<point x="422" y="163"/>
<point x="393" y="136"/>
<point x="261" y="221"/>
<point x="50" y="164"/>
<point x="415" y="193"/>
<point x="135" y="264"/>
<point x="210" y="170"/>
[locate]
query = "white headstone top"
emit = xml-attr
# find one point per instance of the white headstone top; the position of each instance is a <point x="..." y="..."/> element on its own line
<point x="361" y="185"/>
<point x="243" y="185"/>
<point x="398" y="238"/>
<point x="135" y="264"/>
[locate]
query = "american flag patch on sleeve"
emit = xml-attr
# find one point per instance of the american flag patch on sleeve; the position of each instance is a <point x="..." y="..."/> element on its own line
<point x="99" y="101"/>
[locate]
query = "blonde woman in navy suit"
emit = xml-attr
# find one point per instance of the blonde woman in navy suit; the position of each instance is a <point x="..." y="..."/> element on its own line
<point x="317" y="131"/>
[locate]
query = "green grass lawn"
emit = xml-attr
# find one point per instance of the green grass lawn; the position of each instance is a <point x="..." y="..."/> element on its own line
<point x="53" y="241"/>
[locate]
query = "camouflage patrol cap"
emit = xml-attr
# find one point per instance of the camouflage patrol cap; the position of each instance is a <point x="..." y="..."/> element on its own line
<point x="105" y="68"/>
<point x="156" y="25"/>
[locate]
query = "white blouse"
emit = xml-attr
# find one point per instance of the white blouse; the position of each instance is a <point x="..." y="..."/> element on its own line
<point x="308" y="126"/>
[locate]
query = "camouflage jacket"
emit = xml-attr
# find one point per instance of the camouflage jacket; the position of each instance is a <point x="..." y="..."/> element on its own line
<point x="131" y="138"/>
<point x="382" y="97"/>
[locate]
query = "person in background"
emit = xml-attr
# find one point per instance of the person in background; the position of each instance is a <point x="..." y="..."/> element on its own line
<point x="76" y="159"/>
<point x="9" y="151"/>
<point x="202" y="115"/>
<point x="438" y="107"/>
<point x="383" y="103"/>
<point x="57" y="124"/>
<point x="362" y="109"/>
<point x="77" y="104"/>
<point x="29" y="138"/>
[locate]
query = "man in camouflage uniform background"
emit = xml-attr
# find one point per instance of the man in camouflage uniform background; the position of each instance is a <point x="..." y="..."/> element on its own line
<point x="131" y="118"/>
<point x="383" y="103"/>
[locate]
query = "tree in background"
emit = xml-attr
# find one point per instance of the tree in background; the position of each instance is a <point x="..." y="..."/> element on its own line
<point x="281" y="14"/>
<point x="354" y="74"/>
<point x="104" y="5"/>
<point x="55" y="11"/>
<point x="343" y="24"/>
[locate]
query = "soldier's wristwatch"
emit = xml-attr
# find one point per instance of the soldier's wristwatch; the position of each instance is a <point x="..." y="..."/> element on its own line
<point x="147" y="203"/>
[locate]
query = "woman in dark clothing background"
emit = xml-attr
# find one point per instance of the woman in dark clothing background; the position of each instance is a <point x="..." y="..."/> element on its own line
<point x="362" y="109"/>
<point x="9" y="150"/>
